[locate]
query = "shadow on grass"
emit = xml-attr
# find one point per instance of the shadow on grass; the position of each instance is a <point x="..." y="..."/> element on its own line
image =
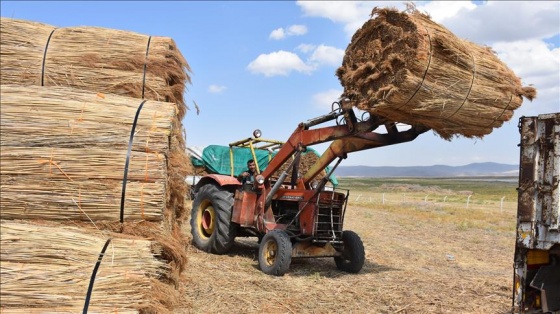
<point x="326" y="267"/>
<point x="320" y="267"/>
<point x="246" y="247"/>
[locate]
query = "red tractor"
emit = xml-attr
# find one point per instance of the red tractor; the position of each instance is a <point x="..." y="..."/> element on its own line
<point x="294" y="219"/>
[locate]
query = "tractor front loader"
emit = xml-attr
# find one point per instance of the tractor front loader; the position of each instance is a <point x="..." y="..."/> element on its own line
<point x="299" y="217"/>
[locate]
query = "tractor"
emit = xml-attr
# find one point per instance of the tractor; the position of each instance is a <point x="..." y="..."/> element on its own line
<point x="290" y="211"/>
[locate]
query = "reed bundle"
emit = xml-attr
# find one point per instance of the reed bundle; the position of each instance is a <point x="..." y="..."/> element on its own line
<point x="48" y="267"/>
<point x="58" y="171"/>
<point x="95" y="59"/>
<point x="406" y="68"/>
<point x="64" y="117"/>
<point x="99" y="200"/>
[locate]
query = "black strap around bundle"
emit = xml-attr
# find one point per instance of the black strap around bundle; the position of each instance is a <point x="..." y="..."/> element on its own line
<point x="145" y="66"/>
<point x="93" y="274"/>
<point x="45" y="57"/>
<point x="128" y="159"/>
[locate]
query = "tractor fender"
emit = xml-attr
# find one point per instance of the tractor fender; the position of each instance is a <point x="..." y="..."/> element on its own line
<point x="219" y="179"/>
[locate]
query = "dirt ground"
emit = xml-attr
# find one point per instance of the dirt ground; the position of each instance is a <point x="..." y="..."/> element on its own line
<point x="413" y="265"/>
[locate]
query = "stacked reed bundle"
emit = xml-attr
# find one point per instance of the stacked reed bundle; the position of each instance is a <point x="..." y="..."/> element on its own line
<point x="93" y="58"/>
<point x="48" y="267"/>
<point x="406" y="68"/>
<point x="65" y="155"/>
<point x="100" y="141"/>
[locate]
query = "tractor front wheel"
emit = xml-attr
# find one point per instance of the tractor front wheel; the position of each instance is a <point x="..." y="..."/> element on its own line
<point x="353" y="254"/>
<point x="211" y="225"/>
<point x="275" y="253"/>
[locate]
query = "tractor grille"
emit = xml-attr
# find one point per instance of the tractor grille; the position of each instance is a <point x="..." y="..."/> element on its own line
<point x="330" y="216"/>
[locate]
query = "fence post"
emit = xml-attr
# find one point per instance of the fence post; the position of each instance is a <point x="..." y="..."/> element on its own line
<point x="383" y="199"/>
<point x="468" y="200"/>
<point x="445" y="198"/>
<point x="426" y="199"/>
<point x="357" y="198"/>
<point x="502" y="203"/>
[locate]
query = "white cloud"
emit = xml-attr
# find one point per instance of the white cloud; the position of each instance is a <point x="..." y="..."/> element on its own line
<point x="327" y="55"/>
<point x="216" y="89"/>
<point x="297" y="30"/>
<point x="538" y="65"/>
<point x="324" y="100"/>
<point x="278" y="63"/>
<point x="531" y="58"/>
<point x="294" y="30"/>
<point x="440" y="10"/>
<point x="306" y="48"/>
<point x="505" y="21"/>
<point x="352" y="14"/>
<point x="284" y="62"/>
<point x="277" y="34"/>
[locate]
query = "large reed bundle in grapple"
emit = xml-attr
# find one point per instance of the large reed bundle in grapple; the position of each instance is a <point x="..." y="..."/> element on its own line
<point x="93" y="58"/>
<point x="50" y="268"/>
<point x="406" y="68"/>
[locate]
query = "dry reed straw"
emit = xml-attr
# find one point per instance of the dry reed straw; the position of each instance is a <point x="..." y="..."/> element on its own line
<point x="93" y="58"/>
<point x="49" y="266"/>
<point x="406" y="68"/>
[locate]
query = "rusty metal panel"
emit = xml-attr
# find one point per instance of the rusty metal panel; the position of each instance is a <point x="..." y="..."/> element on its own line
<point x="244" y="208"/>
<point x="527" y="171"/>
<point x="539" y="194"/>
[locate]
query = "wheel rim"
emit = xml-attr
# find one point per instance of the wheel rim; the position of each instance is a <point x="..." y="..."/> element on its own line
<point x="270" y="252"/>
<point x="206" y="219"/>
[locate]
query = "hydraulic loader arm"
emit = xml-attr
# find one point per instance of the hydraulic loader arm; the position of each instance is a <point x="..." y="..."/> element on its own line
<point x="303" y="136"/>
<point x="361" y="141"/>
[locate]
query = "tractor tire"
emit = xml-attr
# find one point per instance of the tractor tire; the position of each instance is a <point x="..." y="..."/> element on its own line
<point x="275" y="253"/>
<point x="211" y="226"/>
<point x="353" y="254"/>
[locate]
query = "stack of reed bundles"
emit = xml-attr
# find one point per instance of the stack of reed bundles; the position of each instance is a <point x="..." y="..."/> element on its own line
<point x="47" y="267"/>
<point x="406" y="68"/>
<point x="92" y="135"/>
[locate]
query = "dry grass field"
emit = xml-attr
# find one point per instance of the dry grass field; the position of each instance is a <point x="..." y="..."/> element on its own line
<point x="422" y="256"/>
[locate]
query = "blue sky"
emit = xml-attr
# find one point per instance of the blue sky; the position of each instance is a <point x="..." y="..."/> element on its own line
<point x="271" y="64"/>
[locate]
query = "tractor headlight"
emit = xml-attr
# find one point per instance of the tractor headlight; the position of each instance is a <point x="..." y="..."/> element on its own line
<point x="260" y="179"/>
<point x="257" y="133"/>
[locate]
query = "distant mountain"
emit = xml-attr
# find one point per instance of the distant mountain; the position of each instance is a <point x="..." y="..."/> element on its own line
<point x="474" y="169"/>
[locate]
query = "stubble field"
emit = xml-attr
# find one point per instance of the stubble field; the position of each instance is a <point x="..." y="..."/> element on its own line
<point x="427" y="251"/>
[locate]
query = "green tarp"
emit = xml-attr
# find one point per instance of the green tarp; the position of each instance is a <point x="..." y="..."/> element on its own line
<point x="197" y="162"/>
<point x="217" y="159"/>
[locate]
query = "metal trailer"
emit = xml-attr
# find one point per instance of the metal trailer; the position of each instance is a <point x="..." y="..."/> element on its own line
<point x="536" y="284"/>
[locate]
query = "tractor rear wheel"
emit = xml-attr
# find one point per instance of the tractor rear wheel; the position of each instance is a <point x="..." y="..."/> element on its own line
<point x="353" y="254"/>
<point x="275" y="253"/>
<point x="211" y="225"/>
